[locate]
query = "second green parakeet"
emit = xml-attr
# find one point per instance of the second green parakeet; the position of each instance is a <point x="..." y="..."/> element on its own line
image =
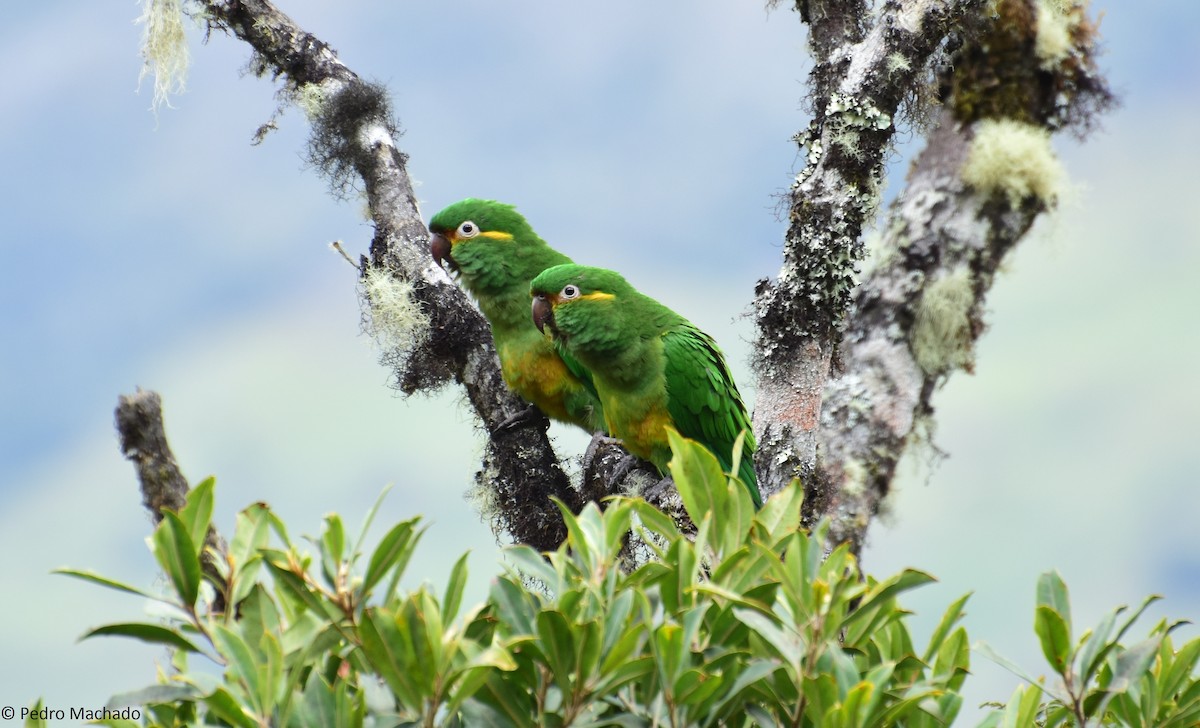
<point x="652" y="369"/>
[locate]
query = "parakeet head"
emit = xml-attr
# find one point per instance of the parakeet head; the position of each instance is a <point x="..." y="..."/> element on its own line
<point x="489" y="245"/>
<point x="581" y="305"/>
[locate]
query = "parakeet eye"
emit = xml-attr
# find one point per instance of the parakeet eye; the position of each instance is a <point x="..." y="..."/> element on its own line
<point x="569" y="291"/>
<point x="468" y="229"/>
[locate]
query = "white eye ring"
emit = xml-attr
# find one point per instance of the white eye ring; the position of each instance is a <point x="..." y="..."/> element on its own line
<point x="570" y="291"/>
<point x="467" y="229"/>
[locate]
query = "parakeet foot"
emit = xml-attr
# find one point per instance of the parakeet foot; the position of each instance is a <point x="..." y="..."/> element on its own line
<point x="527" y="416"/>
<point x="596" y="448"/>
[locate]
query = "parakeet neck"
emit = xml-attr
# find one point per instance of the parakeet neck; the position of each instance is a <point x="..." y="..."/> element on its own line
<point x="509" y="311"/>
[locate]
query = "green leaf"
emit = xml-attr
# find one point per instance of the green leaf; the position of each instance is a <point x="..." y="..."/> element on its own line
<point x="393" y="552"/>
<point x="157" y="693"/>
<point x="152" y="633"/>
<point x="333" y="549"/>
<point x="780" y="515"/>
<point x="95" y="578"/>
<point x="34" y="721"/>
<point x="953" y="613"/>
<point x="882" y="592"/>
<point x="1182" y="667"/>
<point x="558" y="646"/>
<point x="1097" y="646"/>
<point x="176" y="555"/>
<point x="653" y="519"/>
<point x="584" y="534"/>
<point x="370" y="518"/>
<point x="242" y="665"/>
<point x="1133" y="663"/>
<point x="698" y="476"/>
<point x="616" y="521"/>
<point x="986" y="650"/>
<point x="222" y="703"/>
<point x="319" y="708"/>
<point x="515" y="607"/>
<point x="1028" y="709"/>
<point x="531" y="564"/>
<point x="454" y="589"/>
<point x="786" y="642"/>
<point x="1052" y="593"/>
<point x="388" y="654"/>
<point x="1055" y="637"/>
<point x="197" y="511"/>
<point x="953" y="660"/>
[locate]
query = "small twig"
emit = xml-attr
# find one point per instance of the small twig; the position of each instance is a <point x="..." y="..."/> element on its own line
<point x="337" y="245"/>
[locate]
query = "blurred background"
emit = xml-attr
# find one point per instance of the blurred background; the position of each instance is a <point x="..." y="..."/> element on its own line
<point x="169" y="253"/>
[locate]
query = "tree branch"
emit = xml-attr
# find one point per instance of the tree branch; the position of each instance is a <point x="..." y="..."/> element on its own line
<point x="143" y="439"/>
<point x="916" y="316"/>
<point x="860" y="77"/>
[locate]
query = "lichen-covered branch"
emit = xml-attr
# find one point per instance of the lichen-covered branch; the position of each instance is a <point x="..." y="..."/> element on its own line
<point x="986" y="173"/>
<point x="143" y="440"/>
<point x="862" y="73"/>
<point x="432" y="331"/>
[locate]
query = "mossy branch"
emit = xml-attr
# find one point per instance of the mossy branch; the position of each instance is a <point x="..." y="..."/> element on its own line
<point x="987" y="172"/>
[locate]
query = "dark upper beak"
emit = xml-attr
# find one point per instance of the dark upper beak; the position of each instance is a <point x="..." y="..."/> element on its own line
<point x="439" y="248"/>
<point x="543" y="313"/>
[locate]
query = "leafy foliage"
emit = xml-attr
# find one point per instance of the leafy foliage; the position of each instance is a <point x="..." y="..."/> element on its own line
<point x="745" y="622"/>
<point x="1103" y="681"/>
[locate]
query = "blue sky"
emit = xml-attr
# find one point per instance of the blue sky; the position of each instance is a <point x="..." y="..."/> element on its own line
<point x="169" y="253"/>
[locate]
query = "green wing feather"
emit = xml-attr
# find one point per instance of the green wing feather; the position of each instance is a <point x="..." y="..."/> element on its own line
<point x="582" y="373"/>
<point x="704" y="402"/>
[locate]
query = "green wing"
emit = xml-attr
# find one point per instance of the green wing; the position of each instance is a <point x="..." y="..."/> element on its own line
<point x="585" y="406"/>
<point x="704" y="402"/>
<point x="582" y="373"/>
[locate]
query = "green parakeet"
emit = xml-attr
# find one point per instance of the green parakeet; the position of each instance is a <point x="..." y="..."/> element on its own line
<point x="652" y="369"/>
<point x="496" y="254"/>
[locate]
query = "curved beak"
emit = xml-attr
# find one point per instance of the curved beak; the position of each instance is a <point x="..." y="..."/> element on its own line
<point x="543" y="313"/>
<point x="439" y="248"/>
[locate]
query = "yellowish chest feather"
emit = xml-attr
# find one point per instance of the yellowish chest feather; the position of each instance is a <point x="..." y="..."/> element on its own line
<point x="642" y="426"/>
<point x="539" y="376"/>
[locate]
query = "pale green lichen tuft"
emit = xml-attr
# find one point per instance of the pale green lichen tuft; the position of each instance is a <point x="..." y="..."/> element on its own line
<point x="848" y="140"/>
<point x="1053" y="41"/>
<point x="1014" y="159"/>
<point x="941" y="336"/>
<point x="164" y="49"/>
<point x="394" y="318"/>
<point x="310" y="98"/>
<point x="897" y="62"/>
<point x="854" y="480"/>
